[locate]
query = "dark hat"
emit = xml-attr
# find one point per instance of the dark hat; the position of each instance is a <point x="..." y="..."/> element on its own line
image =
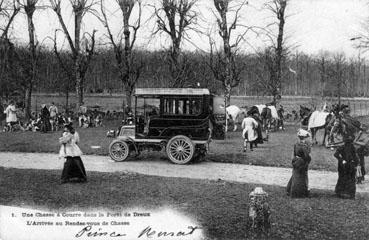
<point x="69" y="126"/>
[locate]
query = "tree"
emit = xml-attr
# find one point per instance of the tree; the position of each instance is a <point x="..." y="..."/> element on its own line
<point x="8" y="12"/>
<point x="175" y="18"/>
<point x="278" y="50"/>
<point x="28" y="62"/>
<point x="224" y="64"/>
<point x="338" y="72"/>
<point x="126" y="63"/>
<point x="322" y="66"/>
<point x="82" y="49"/>
<point x="67" y="65"/>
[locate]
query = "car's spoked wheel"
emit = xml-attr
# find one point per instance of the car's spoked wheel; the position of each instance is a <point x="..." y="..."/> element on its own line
<point x="119" y="151"/>
<point x="180" y="149"/>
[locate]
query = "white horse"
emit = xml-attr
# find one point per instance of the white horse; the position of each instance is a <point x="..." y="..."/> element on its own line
<point x="234" y="115"/>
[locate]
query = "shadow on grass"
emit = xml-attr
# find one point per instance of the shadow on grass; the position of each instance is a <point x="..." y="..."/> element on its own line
<point x="220" y="207"/>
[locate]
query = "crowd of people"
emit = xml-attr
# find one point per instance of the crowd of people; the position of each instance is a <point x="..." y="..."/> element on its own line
<point x="49" y="118"/>
<point x="350" y="157"/>
<point x="348" y="161"/>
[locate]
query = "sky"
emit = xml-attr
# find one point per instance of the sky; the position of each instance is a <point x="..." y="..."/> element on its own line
<point x="312" y="26"/>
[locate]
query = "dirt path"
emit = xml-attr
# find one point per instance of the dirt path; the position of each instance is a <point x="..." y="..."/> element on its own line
<point x="205" y="170"/>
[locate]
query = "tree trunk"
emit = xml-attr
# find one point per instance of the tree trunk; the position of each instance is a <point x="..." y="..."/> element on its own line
<point x="79" y="86"/>
<point x="227" y="100"/>
<point x="279" y="49"/>
<point x="129" y="99"/>
<point x="77" y="58"/>
<point x="28" y="102"/>
<point x="67" y="100"/>
<point x="30" y="9"/>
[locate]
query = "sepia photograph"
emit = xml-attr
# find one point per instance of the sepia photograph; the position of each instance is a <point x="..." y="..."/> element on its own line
<point x="184" y="119"/>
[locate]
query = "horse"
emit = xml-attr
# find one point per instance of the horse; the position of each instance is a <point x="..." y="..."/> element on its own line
<point x="235" y="115"/>
<point x="269" y="115"/>
<point x="316" y="120"/>
<point x="350" y="126"/>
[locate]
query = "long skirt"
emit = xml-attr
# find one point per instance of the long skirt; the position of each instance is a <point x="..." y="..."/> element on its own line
<point x="74" y="170"/>
<point x="45" y="125"/>
<point x="297" y="187"/>
<point x="346" y="183"/>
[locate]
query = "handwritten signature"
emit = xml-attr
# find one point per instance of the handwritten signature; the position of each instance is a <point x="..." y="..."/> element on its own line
<point x="148" y="232"/>
<point x="87" y="231"/>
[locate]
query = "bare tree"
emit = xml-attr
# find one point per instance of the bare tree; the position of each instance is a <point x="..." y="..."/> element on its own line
<point x="126" y="64"/>
<point x="8" y="12"/>
<point x="278" y="50"/>
<point x="176" y="18"/>
<point x="323" y="73"/>
<point x="82" y="47"/>
<point x="29" y="62"/>
<point x="224" y="64"/>
<point x="67" y="65"/>
<point x="337" y="73"/>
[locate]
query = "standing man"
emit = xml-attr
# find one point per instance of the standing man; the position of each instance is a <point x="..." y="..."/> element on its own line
<point x="11" y="115"/>
<point x="53" y="110"/>
<point x="53" y="115"/>
<point x="280" y="113"/>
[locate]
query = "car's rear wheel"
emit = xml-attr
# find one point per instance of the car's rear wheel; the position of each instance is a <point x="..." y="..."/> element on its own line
<point x="180" y="149"/>
<point x="119" y="151"/>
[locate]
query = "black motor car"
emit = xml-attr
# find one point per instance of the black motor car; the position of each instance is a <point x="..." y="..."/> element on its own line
<point x="180" y="121"/>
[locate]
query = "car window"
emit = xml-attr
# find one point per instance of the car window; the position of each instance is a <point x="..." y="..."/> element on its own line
<point x="182" y="106"/>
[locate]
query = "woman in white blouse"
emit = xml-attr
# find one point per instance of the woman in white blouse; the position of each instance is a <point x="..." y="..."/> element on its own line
<point x="74" y="169"/>
<point x="249" y="133"/>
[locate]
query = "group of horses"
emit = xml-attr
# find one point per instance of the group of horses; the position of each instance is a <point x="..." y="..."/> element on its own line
<point x="316" y="120"/>
<point x="268" y="115"/>
<point x="311" y="119"/>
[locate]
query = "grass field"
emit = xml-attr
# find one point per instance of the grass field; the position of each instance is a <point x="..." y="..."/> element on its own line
<point x="220" y="207"/>
<point x="277" y="152"/>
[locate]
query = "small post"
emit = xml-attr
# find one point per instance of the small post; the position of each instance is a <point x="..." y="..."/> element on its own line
<point x="259" y="211"/>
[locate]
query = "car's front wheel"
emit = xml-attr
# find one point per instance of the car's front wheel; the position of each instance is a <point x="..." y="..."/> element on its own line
<point x="119" y="151"/>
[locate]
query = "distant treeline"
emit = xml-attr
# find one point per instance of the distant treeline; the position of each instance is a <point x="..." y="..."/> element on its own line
<point x="303" y="75"/>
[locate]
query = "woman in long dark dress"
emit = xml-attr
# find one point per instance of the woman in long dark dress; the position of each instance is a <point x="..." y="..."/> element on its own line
<point x="347" y="163"/>
<point x="73" y="165"/>
<point x="298" y="184"/>
<point x="259" y="130"/>
<point x="45" y="119"/>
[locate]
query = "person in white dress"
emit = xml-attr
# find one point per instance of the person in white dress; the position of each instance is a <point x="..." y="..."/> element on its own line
<point x="11" y="115"/>
<point x="249" y="133"/>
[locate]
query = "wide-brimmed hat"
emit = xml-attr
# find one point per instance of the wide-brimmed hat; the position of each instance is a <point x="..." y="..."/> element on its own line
<point x="303" y="133"/>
